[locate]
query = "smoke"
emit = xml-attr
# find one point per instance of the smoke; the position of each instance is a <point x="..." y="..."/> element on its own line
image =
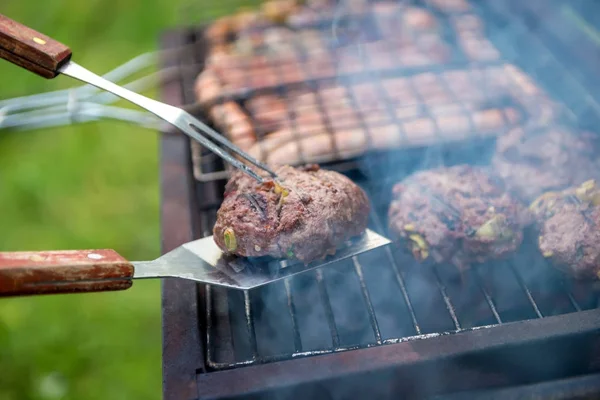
<point x="384" y="295"/>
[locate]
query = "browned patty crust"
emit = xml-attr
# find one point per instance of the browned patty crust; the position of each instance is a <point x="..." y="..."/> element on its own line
<point x="458" y="214"/>
<point x="569" y="234"/>
<point x="306" y="215"/>
<point x="533" y="161"/>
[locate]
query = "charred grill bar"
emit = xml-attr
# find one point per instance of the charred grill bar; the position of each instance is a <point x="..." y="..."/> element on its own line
<point x="379" y="324"/>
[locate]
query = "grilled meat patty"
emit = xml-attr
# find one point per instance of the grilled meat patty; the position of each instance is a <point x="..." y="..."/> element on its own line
<point x="458" y="214"/>
<point x="569" y="234"/>
<point x="537" y="160"/>
<point x="306" y="215"/>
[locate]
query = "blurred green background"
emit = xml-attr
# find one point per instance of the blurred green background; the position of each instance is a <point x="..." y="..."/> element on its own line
<point x="84" y="186"/>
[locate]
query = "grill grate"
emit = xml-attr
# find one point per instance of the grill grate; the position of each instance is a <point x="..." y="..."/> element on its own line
<point x="356" y="297"/>
<point x="416" y="118"/>
<point x="383" y="297"/>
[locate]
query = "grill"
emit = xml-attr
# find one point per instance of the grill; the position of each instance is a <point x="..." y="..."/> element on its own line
<point x="379" y="324"/>
<point x="443" y="103"/>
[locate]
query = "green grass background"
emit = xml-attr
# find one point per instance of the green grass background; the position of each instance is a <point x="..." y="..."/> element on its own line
<point x="91" y="185"/>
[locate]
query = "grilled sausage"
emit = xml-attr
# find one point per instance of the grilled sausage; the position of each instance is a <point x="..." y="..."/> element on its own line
<point x="218" y="32"/>
<point x="244" y="20"/>
<point x="289" y="147"/>
<point x="450" y="6"/>
<point x="472" y="39"/>
<point x="419" y="19"/>
<point x="236" y="74"/>
<point x="207" y="87"/>
<point x="231" y="118"/>
<point x="243" y="58"/>
<point x="278" y="11"/>
<point x="400" y="112"/>
<point x="318" y="148"/>
<point x="270" y="112"/>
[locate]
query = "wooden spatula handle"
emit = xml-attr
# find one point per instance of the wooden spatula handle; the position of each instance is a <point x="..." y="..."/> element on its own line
<point x="66" y="271"/>
<point x="30" y="49"/>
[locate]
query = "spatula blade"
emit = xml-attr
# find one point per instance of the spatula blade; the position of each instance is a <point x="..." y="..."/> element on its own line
<point x="202" y="261"/>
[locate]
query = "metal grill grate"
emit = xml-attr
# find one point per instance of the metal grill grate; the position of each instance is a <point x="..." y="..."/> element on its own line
<point x="379" y="298"/>
<point x="424" y="107"/>
<point x="383" y="297"/>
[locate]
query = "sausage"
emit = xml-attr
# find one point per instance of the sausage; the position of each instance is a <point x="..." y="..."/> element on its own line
<point x="319" y="148"/>
<point x="379" y="55"/>
<point x="248" y="44"/>
<point x="530" y="96"/>
<point x="312" y="39"/>
<point x="320" y="64"/>
<point x="207" y="87"/>
<point x="290" y="72"/>
<point x="419" y="19"/>
<point x="470" y="31"/>
<point x="268" y="111"/>
<point x="317" y="144"/>
<point x="302" y="18"/>
<point x="280" y="41"/>
<point x="218" y="54"/>
<point x="230" y="118"/>
<point x="473" y="41"/>
<point x="478" y="49"/>
<point x="267" y="57"/>
<point x="219" y="31"/>
<point x="309" y="124"/>
<point x="524" y="82"/>
<point x="400" y="23"/>
<point x="223" y="29"/>
<point x="469" y="22"/>
<point x="433" y="47"/>
<point x="452" y="6"/>
<point x="278" y="11"/>
<point x="244" y="20"/>
<point x="238" y="72"/>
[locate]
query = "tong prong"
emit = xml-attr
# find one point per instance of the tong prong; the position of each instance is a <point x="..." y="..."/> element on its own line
<point x="195" y="133"/>
<point x="201" y="127"/>
<point x="46" y="57"/>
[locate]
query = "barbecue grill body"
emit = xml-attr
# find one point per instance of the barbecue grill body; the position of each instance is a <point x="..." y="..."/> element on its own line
<point x="517" y="353"/>
<point x="525" y="357"/>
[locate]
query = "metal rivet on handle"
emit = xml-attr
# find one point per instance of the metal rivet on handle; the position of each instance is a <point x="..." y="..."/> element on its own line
<point x="39" y="41"/>
<point x="95" y="256"/>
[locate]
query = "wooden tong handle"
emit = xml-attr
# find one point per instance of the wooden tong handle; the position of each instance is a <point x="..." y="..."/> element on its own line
<point x="30" y="49"/>
<point x="67" y="271"/>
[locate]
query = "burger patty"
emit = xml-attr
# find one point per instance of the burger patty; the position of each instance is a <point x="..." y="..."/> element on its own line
<point x="569" y="234"/>
<point x="534" y="161"/>
<point x="305" y="215"/>
<point x="458" y="214"/>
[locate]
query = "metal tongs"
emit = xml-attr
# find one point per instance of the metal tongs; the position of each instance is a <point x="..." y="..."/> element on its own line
<point x="45" y="272"/>
<point x="48" y="58"/>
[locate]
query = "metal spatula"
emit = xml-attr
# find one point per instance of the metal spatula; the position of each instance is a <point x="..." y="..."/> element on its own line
<point x="72" y="271"/>
<point x="96" y="270"/>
